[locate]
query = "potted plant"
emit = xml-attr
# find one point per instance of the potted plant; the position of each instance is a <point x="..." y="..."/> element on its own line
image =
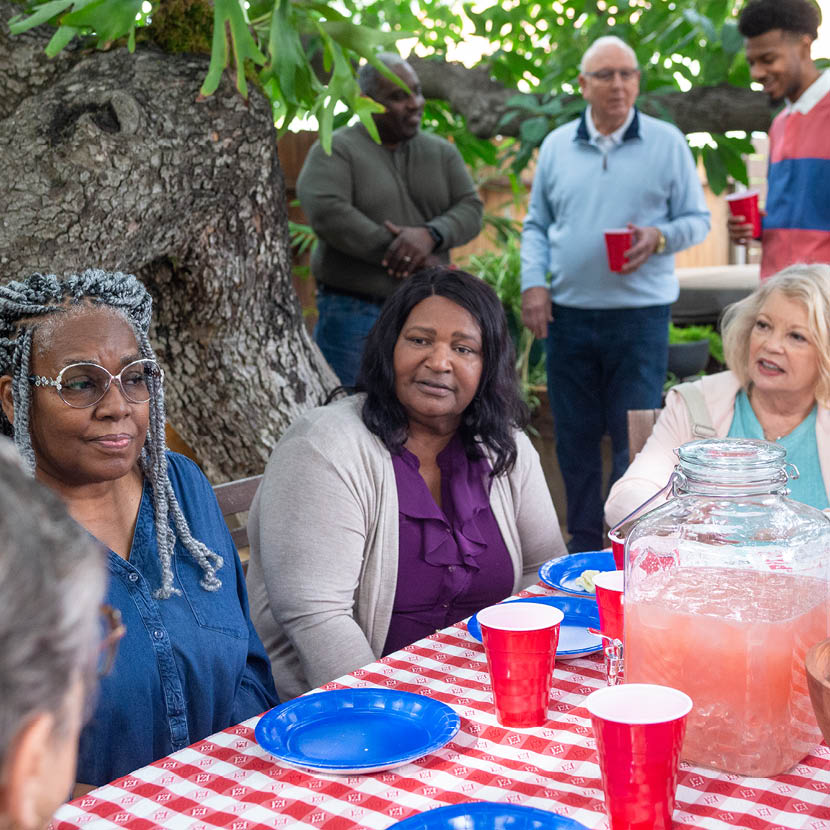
<point x="690" y="348"/>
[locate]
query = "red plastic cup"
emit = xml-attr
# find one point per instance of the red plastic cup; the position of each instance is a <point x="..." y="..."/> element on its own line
<point x="746" y="204"/>
<point x="639" y="730"/>
<point x="520" y="640"/>
<point x="617" y="548"/>
<point x="609" y="589"/>
<point x="617" y="241"/>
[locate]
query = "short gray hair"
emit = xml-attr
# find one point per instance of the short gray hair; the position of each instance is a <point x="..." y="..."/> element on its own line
<point x="599" y="44"/>
<point x="810" y="285"/>
<point x="52" y="580"/>
<point x="368" y="76"/>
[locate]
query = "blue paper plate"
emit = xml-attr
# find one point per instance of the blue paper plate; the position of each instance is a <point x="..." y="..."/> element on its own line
<point x="574" y="638"/>
<point x="488" y="815"/>
<point x="562" y="573"/>
<point x="356" y="731"/>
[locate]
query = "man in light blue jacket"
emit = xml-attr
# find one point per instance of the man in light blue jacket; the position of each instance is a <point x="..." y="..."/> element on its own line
<point x="607" y="332"/>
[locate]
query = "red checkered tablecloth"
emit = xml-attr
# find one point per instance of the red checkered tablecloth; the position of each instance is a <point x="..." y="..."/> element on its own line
<point x="227" y="781"/>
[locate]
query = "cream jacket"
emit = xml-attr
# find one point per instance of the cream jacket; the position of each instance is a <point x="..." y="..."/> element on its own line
<point x="323" y="529"/>
<point x="651" y="468"/>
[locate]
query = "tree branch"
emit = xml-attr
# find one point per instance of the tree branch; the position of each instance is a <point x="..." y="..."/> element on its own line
<point x="483" y="102"/>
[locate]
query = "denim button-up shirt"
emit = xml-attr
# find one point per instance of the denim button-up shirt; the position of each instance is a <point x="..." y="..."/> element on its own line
<point x="188" y="666"/>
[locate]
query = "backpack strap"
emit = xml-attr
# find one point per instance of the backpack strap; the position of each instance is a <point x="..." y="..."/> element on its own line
<point x="699" y="418"/>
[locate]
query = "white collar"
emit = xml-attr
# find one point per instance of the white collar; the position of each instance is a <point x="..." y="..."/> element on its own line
<point x="812" y="95"/>
<point x="616" y="137"/>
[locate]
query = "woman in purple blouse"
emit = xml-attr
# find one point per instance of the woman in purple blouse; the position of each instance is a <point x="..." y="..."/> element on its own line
<point x="408" y="506"/>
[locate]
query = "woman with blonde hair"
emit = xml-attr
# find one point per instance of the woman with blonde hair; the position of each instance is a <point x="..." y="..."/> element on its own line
<point x="777" y="347"/>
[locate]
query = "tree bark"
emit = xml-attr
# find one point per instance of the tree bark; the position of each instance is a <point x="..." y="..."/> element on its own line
<point x="109" y="160"/>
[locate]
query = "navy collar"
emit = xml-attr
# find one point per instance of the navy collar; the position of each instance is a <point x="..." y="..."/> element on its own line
<point x="632" y="132"/>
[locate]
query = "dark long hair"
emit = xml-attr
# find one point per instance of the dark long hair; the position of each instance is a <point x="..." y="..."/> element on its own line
<point x="495" y="412"/>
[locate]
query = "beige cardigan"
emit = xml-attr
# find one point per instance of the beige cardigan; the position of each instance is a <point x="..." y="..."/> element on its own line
<point x="653" y="465"/>
<point x="324" y="543"/>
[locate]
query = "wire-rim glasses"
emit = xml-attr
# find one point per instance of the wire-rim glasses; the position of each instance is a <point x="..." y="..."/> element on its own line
<point x="606" y="76"/>
<point x="80" y="385"/>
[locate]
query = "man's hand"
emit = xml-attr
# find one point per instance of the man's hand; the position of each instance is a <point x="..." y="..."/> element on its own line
<point x="536" y="310"/>
<point x="409" y="249"/>
<point x="644" y="243"/>
<point x="740" y="231"/>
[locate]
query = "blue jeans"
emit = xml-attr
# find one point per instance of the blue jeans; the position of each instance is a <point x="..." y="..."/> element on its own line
<point x="600" y="363"/>
<point x="341" y="331"/>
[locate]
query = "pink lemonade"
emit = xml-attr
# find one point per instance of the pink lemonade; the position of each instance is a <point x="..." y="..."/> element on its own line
<point x="734" y="641"/>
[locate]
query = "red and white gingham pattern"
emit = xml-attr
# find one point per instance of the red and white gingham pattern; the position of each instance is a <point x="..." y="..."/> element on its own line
<point x="227" y="781"/>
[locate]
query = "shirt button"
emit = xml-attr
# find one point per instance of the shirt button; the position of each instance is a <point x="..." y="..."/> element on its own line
<point x="133" y="577"/>
<point x="445" y="605"/>
<point x="451" y="568"/>
<point x="158" y="634"/>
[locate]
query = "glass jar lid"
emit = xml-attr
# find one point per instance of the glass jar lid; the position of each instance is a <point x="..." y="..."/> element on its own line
<point x="734" y="463"/>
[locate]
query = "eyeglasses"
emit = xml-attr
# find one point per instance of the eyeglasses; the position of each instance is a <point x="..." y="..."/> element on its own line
<point x="606" y="76"/>
<point x="112" y="630"/>
<point x="84" y="384"/>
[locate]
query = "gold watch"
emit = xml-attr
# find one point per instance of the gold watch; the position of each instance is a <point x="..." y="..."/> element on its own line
<point x="661" y="243"/>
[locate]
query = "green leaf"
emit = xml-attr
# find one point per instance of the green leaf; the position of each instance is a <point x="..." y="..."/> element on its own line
<point x="109" y="19"/>
<point x="715" y="169"/>
<point x="218" y="56"/>
<point x="361" y="39"/>
<point x="534" y="130"/>
<point x="731" y="38"/>
<point x="60" y="40"/>
<point x="702" y="22"/>
<point x="228" y="16"/>
<point x="731" y="153"/>
<point x="41" y="14"/>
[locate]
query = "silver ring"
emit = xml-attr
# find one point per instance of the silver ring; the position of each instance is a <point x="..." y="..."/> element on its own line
<point x="407" y="259"/>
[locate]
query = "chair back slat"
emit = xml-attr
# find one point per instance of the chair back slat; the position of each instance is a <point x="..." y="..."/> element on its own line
<point x="236" y="497"/>
<point x="640" y="425"/>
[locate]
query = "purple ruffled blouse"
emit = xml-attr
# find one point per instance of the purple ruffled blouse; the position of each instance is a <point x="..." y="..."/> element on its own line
<point x="452" y="560"/>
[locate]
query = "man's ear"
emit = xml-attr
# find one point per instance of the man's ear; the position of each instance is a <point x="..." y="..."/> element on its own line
<point x="6" y="400"/>
<point x="24" y="771"/>
<point x="806" y="44"/>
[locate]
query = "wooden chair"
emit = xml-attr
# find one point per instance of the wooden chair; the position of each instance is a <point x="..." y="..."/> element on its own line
<point x="235" y="497"/>
<point x="640" y="424"/>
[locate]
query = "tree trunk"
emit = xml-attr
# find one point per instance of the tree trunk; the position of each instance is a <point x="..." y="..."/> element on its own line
<point x="109" y="160"/>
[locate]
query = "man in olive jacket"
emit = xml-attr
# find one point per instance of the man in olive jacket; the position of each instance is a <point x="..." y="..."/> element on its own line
<point x="381" y="212"/>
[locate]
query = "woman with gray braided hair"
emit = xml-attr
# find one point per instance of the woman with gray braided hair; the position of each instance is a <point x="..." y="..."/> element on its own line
<point x="81" y="393"/>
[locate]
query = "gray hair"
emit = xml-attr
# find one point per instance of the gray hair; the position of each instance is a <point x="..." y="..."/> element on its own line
<point x="599" y="44"/>
<point x="52" y="580"/>
<point x="368" y="76"/>
<point x="809" y="285"/>
<point x="24" y="308"/>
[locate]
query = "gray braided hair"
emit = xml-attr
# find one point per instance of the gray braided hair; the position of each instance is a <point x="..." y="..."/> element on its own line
<point x="27" y="307"/>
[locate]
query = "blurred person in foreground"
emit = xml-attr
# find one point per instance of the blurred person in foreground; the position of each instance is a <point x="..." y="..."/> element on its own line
<point x="607" y="333"/>
<point x="796" y="227"/>
<point x="52" y="581"/>
<point x="777" y="346"/>
<point x="408" y="506"/>
<point x="81" y="391"/>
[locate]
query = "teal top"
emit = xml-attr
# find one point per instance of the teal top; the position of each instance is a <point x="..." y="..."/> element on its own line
<point x="801" y="447"/>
